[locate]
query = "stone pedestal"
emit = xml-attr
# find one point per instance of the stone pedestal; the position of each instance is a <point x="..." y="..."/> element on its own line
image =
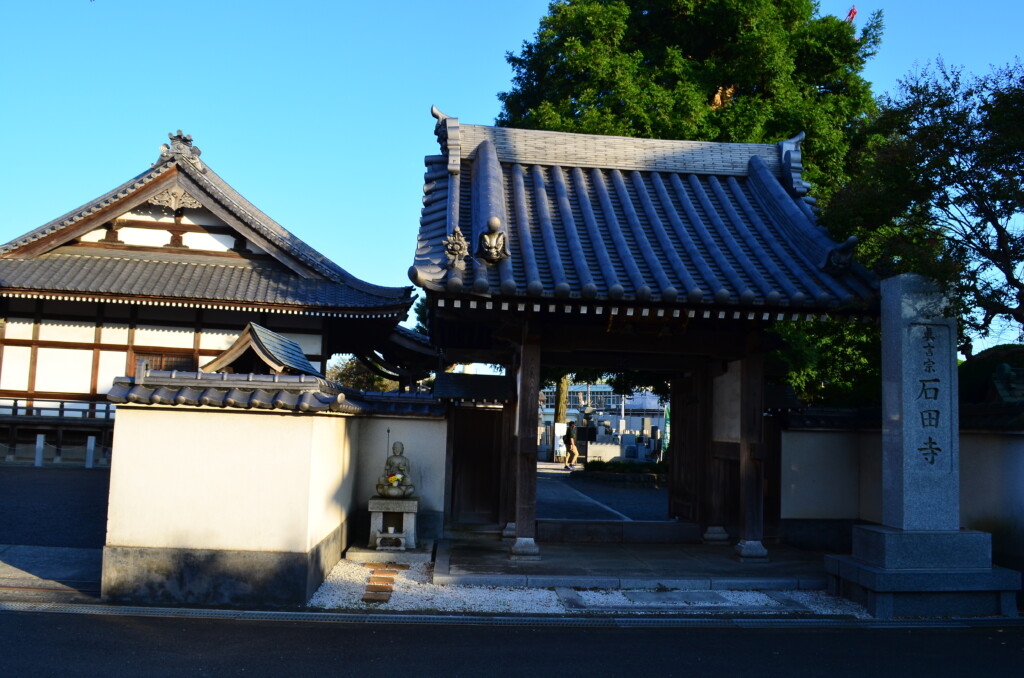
<point x="919" y="562"/>
<point x="716" y="536"/>
<point x="402" y="535"/>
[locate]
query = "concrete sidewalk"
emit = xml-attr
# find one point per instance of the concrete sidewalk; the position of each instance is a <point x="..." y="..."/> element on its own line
<point x="485" y="562"/>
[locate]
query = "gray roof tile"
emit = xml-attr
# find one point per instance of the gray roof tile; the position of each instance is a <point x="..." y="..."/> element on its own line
<point x="234" y="283"/>
<point x="296" y="393"/>
<point x="610" y="218"/>
<point x="242" y="283"/>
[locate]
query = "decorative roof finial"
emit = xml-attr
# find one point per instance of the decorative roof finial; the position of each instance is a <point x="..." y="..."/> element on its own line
<point x="793" y="167"/>
<point x="181" y="148"/>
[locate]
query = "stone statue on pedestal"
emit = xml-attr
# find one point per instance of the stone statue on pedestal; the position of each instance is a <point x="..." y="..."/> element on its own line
<point x="396" y="482"/>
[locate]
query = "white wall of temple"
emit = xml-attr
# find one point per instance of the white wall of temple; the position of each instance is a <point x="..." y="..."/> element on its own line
<point x="14" y="368"/>
<point x="209" y="479"/>
<point x="838" y="474"/>
<point x="67" y="361"/>
<point x="425" y="443"/>
<point x="159" y="237"/>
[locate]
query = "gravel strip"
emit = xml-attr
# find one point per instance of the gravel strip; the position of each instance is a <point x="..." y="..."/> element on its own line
<point x="414" y="591"/>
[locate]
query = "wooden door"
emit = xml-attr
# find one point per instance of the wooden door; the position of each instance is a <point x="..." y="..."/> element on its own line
<point x="476" y="464"/>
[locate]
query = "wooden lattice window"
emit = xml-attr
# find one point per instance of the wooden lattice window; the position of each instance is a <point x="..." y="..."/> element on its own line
<point x="183" y="362"/>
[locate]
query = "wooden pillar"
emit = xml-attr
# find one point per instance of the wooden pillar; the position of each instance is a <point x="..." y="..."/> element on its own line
<point x="750" y="546"/>
<point x="689" y="445"/>
<point x="527" y="399"/>
<point x="508" y="474"/>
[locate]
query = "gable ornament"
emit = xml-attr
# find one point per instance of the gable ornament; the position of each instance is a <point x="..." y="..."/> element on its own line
<point x="181" y="150"/>
<point x="175" y="198"/>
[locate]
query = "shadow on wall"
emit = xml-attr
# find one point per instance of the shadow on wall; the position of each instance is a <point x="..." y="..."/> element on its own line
<point x="217" y="578"/>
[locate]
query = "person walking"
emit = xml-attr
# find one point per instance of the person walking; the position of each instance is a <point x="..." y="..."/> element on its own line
<point x="571" y="453"/>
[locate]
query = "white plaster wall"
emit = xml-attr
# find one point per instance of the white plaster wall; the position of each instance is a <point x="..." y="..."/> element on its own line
<point x="332" y="479"/>
<point x="14" y="370"/>
<point x="425" y="441"/>
<point x="209" y="479"/>
<point x="214" y="242"/>
<point x="111" y="364"/>
<point x="154" y="335"/>
<point x="144" y="237"/>
<point x="114" y="334"/>
<point x="820" y="475"/>
<point x="838" y="474"/>
<point x="63" y="370"/>
<point x="202" y="217"/>
<point x="218" y="340"/>
<point x="18" y="328"/>
<point x="311" y="344"/>
<point x="67" y="330"/>
<point x="992" y="482"/>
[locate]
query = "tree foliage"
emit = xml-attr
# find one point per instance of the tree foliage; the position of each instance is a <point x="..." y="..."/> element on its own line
<point x="348" y="371"/>
<point x="757" y="71"/>
<point x="937" y="188"/>
<point x="705" y="70"/>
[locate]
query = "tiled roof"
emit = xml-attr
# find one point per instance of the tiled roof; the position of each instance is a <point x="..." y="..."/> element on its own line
<point x="179" y="163"/>
<point x="296" y="393"/>
<point x="278" y="352"/>
<point x="610" y="218"/>
<point x="197" y="282"/>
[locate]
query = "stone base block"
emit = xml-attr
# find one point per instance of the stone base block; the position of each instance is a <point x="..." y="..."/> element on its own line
<point x="750" y="552"/>
<point x="933" y="592"/>
<point x="217" y="577"/>
<point x="889" y="548"/>
<point x="524" y="548"/>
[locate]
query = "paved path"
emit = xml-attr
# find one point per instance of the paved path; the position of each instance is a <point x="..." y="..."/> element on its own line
<point x="570" y="496"/>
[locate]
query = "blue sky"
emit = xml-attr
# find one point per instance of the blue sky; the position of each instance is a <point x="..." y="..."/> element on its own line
<point x="317" y="111"/>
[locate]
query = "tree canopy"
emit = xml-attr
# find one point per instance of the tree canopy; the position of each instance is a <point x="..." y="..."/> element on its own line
<point x="937" y="188"/>
<point x="755" y="71"/>
<point x="703" y="70"/>
<point x="348" y="371"/>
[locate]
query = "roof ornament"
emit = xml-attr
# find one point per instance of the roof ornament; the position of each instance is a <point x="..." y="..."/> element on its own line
<point x="840" y="257"/>
<point x="440" y="129"/>
<point x="447" y="132"/>
<point x="456" y="249"/>
<point x="492" y="245"/>
<point x="181" y="149"/>
<point x="793" y="168"/>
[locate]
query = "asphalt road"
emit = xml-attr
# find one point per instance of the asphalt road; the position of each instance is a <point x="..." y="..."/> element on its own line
<point x="53" y="506"/>
<point x="46" y="644"/>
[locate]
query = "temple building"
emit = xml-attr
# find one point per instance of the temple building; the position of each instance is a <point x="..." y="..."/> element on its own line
<point x="165" y="270"/>
<point x="577" y="251"/>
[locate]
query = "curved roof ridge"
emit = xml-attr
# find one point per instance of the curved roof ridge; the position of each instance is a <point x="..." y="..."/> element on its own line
<point x="91" y="207"/>
<point x="568" y="149"/>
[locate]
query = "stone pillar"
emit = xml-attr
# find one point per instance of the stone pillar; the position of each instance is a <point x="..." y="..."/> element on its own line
<point x="919" y="562"/>
<point x="527" y="399"/>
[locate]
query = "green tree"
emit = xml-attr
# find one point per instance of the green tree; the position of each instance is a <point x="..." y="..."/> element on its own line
<point x="348" y="371"/>
<point x="937" y="188"/>
<point x="703" y="70"/>
<point x="757" y="71"/>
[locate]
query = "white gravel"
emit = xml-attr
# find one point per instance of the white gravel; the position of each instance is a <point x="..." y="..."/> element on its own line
<point x="413" y="591"/>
